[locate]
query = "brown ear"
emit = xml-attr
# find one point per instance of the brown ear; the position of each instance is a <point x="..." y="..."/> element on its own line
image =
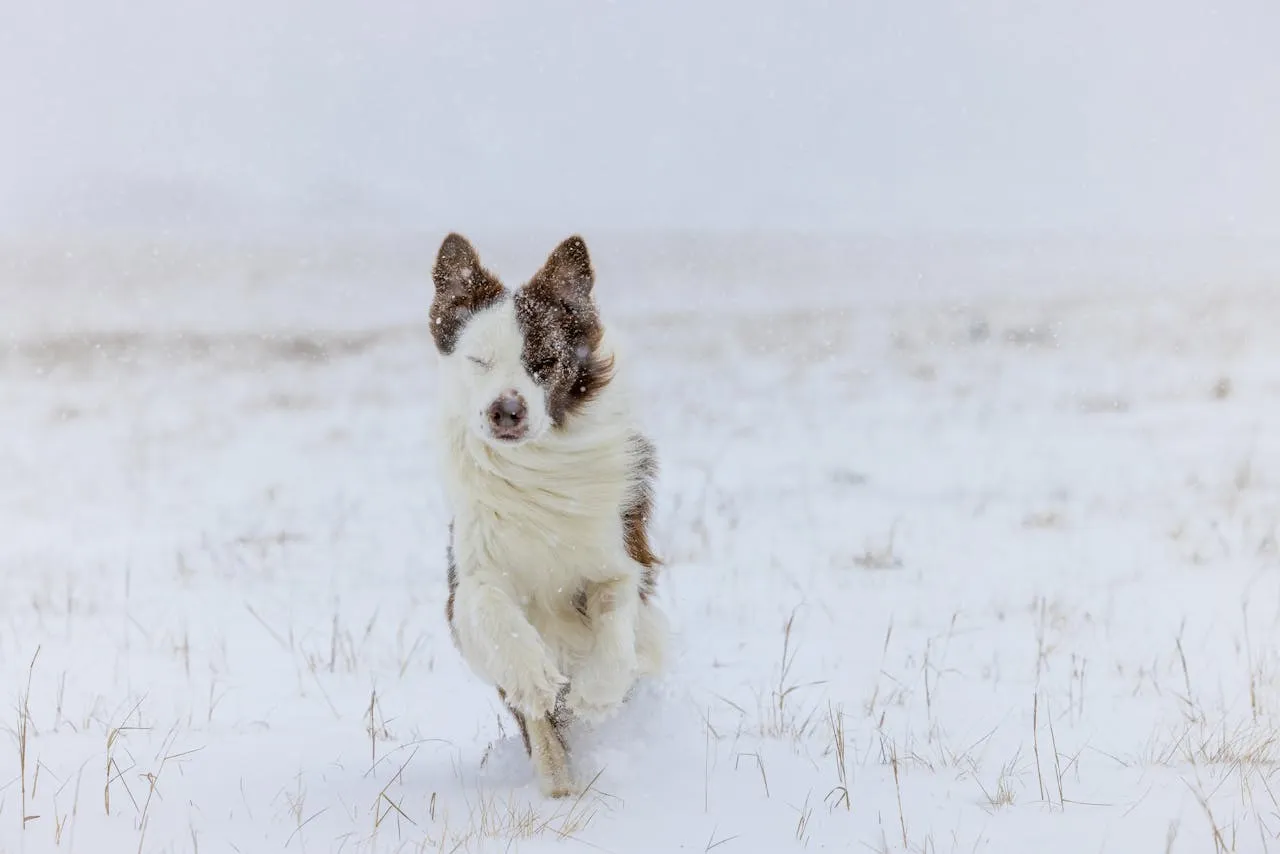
<point x="463" y="287"/>
<point x="457" y="265"/>
<point x="567" y="273"/>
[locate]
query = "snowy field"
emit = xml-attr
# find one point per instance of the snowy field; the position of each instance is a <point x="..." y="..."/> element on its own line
<point x="978" y="560"/>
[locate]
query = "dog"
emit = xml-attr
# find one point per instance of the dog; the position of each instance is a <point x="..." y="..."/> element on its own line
<point x="550" y="484"/>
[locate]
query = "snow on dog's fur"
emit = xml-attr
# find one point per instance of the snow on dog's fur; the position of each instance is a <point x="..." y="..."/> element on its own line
<point x="550" y="483"/>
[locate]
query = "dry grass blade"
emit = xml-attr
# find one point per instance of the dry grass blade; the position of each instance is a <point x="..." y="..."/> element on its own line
<point x="897" y="785"/>
<point x="712" y="843"/>
<point x="154" y="778"/>
<point x="1192" y="709"/>
<point x="802" y="824"/>
<point x="392" y="805"/>
<point x="1035" y="740"/>
<point x="1057" y="762"/>
<point x="303" y="824"/>
<point x="284" y="644"/>
<point x="779" y="719"/>
<point x="113" y="736"/>
<point x="759" y="764"/>
<point x="1219" y="842"/>
<point x="835" y="717"/>
<point x="24" y="727"/>
<point x="567" y="827"/>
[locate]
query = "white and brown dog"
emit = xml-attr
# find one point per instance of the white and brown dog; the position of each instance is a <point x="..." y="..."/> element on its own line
<point x="551" y="575"/>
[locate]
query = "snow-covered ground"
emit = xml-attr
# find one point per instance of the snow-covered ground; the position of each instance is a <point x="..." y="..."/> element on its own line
<point x="963" y="566"/>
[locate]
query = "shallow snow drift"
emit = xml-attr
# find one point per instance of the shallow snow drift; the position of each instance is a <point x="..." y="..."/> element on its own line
<point x="985" y="567"/>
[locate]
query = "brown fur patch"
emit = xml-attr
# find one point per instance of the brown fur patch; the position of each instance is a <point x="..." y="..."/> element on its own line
<point x="463" y="287"/>
<point x="562" y="331"/>
<point x="635" y="516"/>
<point x="580" y="602"/>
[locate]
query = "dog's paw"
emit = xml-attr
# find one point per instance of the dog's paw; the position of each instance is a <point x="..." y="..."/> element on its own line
<point x="559" y="787"/>
<point x="593" y="712"/>
<point x="596" y="696"/>
<point x="537" y="692"/>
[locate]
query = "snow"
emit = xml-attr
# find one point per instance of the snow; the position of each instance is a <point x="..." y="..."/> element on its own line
<point x="974" y="565"/>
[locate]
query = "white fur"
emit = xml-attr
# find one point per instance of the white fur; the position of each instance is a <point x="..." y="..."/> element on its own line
<point x="484" y="364"/>
<point x="535" y="522"/>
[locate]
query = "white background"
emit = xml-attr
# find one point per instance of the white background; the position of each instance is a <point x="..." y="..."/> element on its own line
<point x="1143" y="116"/>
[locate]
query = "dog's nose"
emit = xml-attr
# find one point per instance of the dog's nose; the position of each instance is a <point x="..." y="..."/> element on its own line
<point x="508" y="412"/>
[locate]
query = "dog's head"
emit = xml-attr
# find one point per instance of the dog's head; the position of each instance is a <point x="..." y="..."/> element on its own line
<point x="516" y="365"/>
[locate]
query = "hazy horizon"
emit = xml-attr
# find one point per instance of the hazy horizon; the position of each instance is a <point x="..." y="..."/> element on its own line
<point x="1137" y="118"/>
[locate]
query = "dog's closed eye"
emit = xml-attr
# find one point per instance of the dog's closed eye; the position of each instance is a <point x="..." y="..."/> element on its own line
<point x="545" y="368"/>
<point x="481" y="363"/>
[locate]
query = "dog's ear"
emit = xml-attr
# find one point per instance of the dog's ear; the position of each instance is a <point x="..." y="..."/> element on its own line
<point x="457" y="266"/>
<point x="567" y="273"/>
<point x="463" y="287"/>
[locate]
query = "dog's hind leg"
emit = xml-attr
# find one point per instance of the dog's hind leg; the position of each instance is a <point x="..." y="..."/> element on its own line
<point x="545" y="743"/>
<point x="652" y="630"/>
<point x="608" y="670"/>
<point x="550" y="754"/>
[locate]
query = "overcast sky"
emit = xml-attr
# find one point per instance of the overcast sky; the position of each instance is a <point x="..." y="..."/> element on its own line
<point x="1136" y="115"/>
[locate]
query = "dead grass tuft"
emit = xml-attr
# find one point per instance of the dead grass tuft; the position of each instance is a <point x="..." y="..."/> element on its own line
<point x="880" y="556"/>
<point x="781" y="718"/>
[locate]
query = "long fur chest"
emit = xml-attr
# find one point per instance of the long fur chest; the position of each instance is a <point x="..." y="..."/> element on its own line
<point x="539" y="520"/>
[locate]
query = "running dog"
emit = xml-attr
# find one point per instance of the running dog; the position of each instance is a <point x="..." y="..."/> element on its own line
<point x="550" y="485"/>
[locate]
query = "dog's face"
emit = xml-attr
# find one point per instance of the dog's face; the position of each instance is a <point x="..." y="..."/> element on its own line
<point x="516" y="365"/>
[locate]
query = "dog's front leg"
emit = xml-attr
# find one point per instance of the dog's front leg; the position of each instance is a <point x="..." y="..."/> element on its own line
<point x="501" y="646"/>
<point x="608" y="670"/>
